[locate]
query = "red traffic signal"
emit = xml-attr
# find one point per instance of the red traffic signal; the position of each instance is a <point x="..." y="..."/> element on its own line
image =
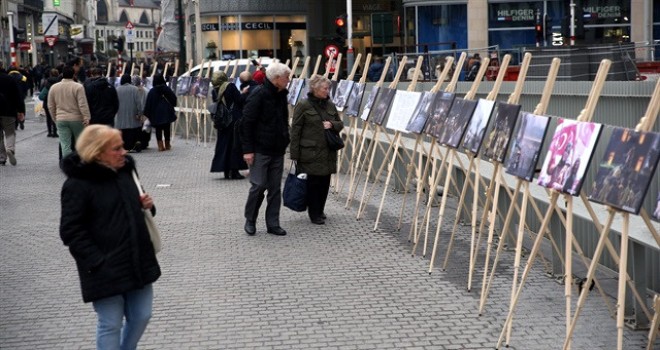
<point x="340" y="21"/>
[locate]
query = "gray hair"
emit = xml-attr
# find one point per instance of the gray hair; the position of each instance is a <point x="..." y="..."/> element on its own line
<point x="316" y="81"/>
<point x="277" y="69"/>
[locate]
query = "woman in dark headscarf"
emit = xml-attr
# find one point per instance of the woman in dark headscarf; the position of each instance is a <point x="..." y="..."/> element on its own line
<point x="227" y="158"/>
<point x="159" y="108"/>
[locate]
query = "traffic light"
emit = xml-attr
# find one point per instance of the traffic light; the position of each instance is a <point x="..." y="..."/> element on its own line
<point x="19" y="35"/>
<point x="342" y="33"/>
<point x="119" y="44"/>
<point x="538" y="28"/>
<point x="548" y="28"/>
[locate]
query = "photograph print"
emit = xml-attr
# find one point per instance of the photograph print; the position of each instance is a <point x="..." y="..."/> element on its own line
<point x="441" y="106"/>
<point x="499" y="134"/>
<point x="366" y="111"/>
<point x="526" y="145"/>
<point x="304" y="91"/>
<point x="355" y="100"/>
<point x="456" y="123"/>
<point x="172" y="83"/>
<point x="203" y="89"/>
<point x="626" y="170"/>
<point x="294" y="90"/>
<point x="183" y="87"/>
<point x="656" y="212"/>
<point x="341" y="95"/>
<point x="194" y="86"/>
<point x="382" y="105"/>
<point x="402" y="109"/>
<point x="568" y="156"/>
<point x="421" y="113"/>
<point x="474" y="134"/>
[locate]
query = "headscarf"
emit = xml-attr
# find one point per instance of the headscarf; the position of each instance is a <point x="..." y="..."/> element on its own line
<point x="218" y="78"/>
<point x="158" y="80"/>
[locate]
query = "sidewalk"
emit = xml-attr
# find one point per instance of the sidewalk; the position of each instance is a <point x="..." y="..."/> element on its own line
<point x="333" y="286"/>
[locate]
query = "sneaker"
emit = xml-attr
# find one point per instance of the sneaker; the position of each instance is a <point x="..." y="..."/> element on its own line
<point x="12" y="157"/>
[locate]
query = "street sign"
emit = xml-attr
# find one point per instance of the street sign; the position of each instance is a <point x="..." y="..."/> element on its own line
<point x="129" y="32"/>
<point x="51" y="40"/>
<point x="50" y="24"/>
<point x="25" y="46"/>
<point x="331" y="50"/>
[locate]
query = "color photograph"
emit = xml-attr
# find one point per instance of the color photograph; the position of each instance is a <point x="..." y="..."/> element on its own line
<point x="457" y="120"/>
<point x="421" y="113"/>
<point x="526" y="146"/>
<point x="341" y="95"/>
<point x="294" y="90"/>
<point x="402" y="109"/>
<point x="441" y="106"/>
<point x="499" y="134"/>
<point x="204" y="86"/>
<point x="183" y="87"/>
<point x="568" y="156"/>
<point x="366" y="111"/>
<point x="625" y="172"/>
<point x="474" y="135"/>
<point x="382" y="105"/>
<point x="355" y="100"/>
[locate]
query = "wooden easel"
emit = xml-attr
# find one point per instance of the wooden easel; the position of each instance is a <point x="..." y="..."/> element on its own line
<point x="293" y="67"/>
<point x="645" y="124"/>
<point x="176" y="67"/>
<point x="375" y="143"/>
<point x="351" y="133"/>
<point x="585" y="116"/>
<point x="335" y="75"/>
<point x="347" y="131"/>
<point x="356" y="163"/>
<point x="393" y="146"/>
<point x="417" y="167"/>
<point x="446" y="166"/>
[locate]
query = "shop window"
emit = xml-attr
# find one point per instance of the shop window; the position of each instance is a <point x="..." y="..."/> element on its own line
<point x="444" y="24"/>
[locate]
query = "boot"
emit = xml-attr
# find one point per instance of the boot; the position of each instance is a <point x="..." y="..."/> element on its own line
<point x="161" y="147"/>
<point x="168" y="146"/>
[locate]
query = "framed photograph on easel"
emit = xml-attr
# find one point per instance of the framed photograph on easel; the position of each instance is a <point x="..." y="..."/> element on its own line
<point x="457" y="121"/>
<point x="421" y="113"/>
<point x="526" y="146"/>
<point x="366" y="111"/>
<point x="441" y="106"/>
<point x="474" y="135"/>
<point x="382" y="105"/>
<point x="499" y="134"/>
<point x="355" y="100"/>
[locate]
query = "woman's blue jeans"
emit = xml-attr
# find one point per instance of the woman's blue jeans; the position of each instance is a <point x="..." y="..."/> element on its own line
<point x="135" y="306"/>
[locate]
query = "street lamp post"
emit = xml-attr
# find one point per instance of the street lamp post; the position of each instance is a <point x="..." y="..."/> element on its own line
<point x="12" y="44"/>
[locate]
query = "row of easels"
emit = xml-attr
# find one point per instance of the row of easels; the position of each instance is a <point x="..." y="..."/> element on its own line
<point x="433" y="165"/>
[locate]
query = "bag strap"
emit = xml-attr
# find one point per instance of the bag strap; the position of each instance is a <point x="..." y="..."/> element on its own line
<point x="137" y="182"/>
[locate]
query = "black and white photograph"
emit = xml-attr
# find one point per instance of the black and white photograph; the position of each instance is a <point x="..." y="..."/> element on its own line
<point x="355" y="100"/>
<point x="183" y="87"/>
<point x="625" y="172"/>
<point x="457" y="120"/>
<point x="474" y="135"/>
<point x="441" y="106"/>
<point x="340" y="97"/>
<point x="656" y="211"/>
<point x="402" y="109"/>
<point x="499" y="134"/>
<point x="203" y="88"/>
<point x="421" y="113"/>
<point x="526" y="145"/>
<point x="172" y="83"/>
<point x="295" y="87"/>
<point x="382" y="105"/>
<point x="304" y="91"/>
<point x="366" y="111"/>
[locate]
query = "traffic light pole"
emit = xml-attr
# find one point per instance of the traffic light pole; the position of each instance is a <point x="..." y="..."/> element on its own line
<point x="12" y="43"/>
<point x="572" y="24"/>
<point x="349" y="30"/>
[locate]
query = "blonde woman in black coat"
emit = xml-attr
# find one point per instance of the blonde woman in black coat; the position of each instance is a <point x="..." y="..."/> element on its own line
<point x="308" y="146"/>
<point x="103" y="225"/>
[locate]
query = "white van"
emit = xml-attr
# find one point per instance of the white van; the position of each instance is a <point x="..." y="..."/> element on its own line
<point x="239" y="65"/>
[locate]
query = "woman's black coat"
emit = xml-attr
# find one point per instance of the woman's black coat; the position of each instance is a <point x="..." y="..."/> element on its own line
<point x="159" y="107"/>
<point x="103" y="225"/>
<point x="228" y="157"/>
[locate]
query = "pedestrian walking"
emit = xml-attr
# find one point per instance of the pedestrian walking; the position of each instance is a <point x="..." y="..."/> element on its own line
<point x="43" y="96"/>
<point x="159" y="108"/>
<point x="12" y="110"/>
<point x="311" y="117"/>
<point x="101" y="98"/>
<point x="67" y="104"/>
<point x="103" y="225"/>
<point x="129" y="114"/>
<point x="227" y="158"/>
<point x="265" y="137"/>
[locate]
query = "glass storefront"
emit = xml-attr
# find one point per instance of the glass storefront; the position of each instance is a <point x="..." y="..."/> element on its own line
<point x="442" y="27"/>
<point x="656" y="28"/>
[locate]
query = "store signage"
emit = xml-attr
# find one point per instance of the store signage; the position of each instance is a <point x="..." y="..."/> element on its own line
<point x="594" y="12"/>
<point x="56" y="2"/>
<point x="25" y="46"/>
<point x="515" y="15"/>
<point x="210" y="27"/>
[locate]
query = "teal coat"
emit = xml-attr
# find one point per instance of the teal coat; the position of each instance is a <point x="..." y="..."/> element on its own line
<point x="308" y="145"/>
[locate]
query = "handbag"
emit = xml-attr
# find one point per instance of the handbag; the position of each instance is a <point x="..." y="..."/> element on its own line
<point x="220" y="114"/>
<point x="332" y="138"/>
<point x="154" y="233"/>
<point x="294" y="195"/>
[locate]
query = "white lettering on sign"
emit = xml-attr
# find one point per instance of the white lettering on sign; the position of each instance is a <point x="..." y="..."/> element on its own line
<point x="604" y="11"/>
<point x="258" y="25"/>
<point x="557" y="39"/>
<point x="517" y="14"/>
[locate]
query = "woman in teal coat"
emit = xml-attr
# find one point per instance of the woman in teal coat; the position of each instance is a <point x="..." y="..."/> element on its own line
<point x="309" y="148"/>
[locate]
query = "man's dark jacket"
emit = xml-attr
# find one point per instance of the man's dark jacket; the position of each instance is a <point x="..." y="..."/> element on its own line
<point x="265" y="125"/>
<point x="11" y="101"/>
<point x="102" y="100"/>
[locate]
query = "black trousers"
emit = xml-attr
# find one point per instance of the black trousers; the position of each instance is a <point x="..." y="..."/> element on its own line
<point x="163" y="130"/>
<point x="317" y="194"/>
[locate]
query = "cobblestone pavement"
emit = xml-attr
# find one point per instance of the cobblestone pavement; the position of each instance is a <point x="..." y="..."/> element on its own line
<point x="334" y="286"/>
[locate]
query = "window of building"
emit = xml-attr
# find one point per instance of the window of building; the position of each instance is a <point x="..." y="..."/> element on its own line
<point x="123" y="17"/>
<point x="101" y="11"/>
<point x="438" y="26"/>
<point x="144" y="19"/>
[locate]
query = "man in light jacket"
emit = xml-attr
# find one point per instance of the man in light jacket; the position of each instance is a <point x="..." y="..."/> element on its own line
<point x="67" y="104"/>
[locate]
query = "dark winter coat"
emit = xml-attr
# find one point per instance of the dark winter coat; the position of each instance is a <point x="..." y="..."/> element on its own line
<point x="102" y="100"/>
<point x="308" y="145"/>
<point x="11" y="102"/>
<point x="160" y="104"/>
<point x="103" y="225"/>
<point x="265" y="124"/>
<point x="228" y="157"/>
<point x="43" y="95"/>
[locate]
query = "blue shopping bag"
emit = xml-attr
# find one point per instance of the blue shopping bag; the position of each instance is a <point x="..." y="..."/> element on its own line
<point x="295" y="192"/>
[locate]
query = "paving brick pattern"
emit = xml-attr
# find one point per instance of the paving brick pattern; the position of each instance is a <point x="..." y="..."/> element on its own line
<point x="335" y="286"/>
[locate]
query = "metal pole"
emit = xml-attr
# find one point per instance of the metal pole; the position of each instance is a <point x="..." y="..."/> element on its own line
<point x="12" y="44"/>
<point x="349" y="30"/>
<point x="182" y="44"/>
<point x="572" y="24"/>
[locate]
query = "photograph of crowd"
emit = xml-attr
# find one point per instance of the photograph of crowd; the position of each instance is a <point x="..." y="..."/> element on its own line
<point x="474" y="134"/>
<point x="421" y="113"/>
<point x="526" y="145"/>
<point x="370" y="102"/>
<point x="626" y="170"/>
<point x="439" y="111"/>
<point x="382" y="105"/>
<point x="341" y="95"/>
<point x="355" y="100"/>
<point x="456" y="123"/>
<point x="504" y="120"/>
<point x="568" y="156"/>
<point x="402" y="109"/>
